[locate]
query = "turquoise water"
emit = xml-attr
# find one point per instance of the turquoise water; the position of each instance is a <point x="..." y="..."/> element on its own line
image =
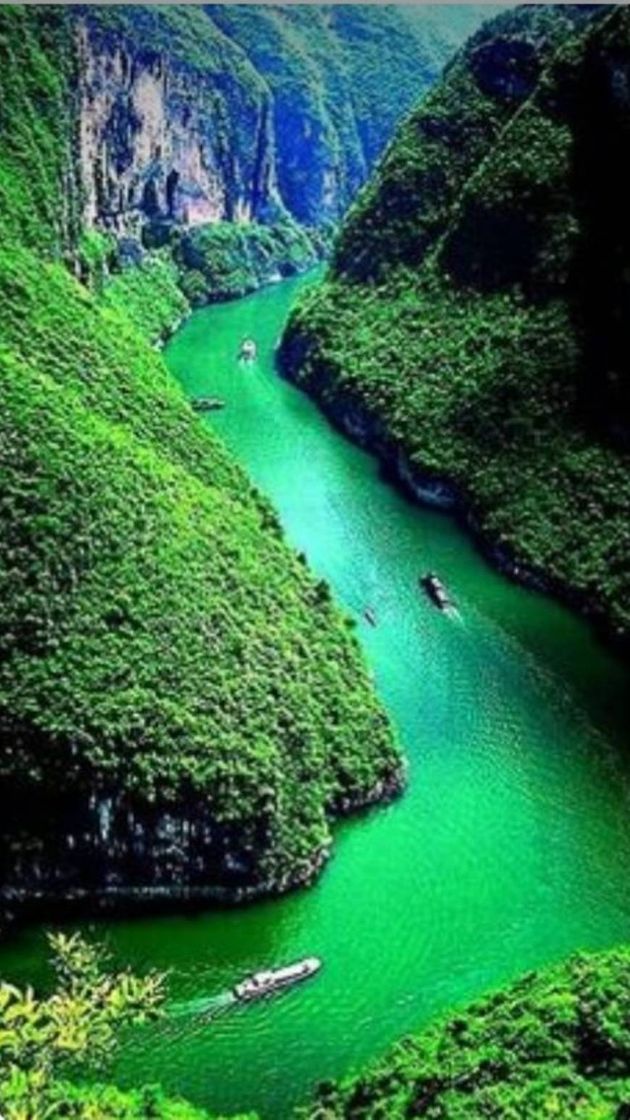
<point x="511" y="847"/>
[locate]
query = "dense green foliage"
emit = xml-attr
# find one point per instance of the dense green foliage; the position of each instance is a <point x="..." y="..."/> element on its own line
<point x="554" y="1044"/>
<point x="37" y="194"/>
<point x="151" y="294"/>
<point x="240" y="687"/>
<point x="411" y="197"/>
<point x="158" y="638"/>
<point x="44" y="1039"/>
<point x="78" y="1022"/>
<point x="455" y="319"/>
<point x="70" y="1101"/>
<point x="340" y="78"/>
<point x="301" y="99"/>
<point x="229" y="259"/>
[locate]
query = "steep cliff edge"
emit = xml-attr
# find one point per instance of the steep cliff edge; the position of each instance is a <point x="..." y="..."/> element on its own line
<point x="174" y="122"/>
<point x="182" y="707"/>
<point x="200" y="114"/>
<point x="232" y="138"/>
<point x="472" y="328"/>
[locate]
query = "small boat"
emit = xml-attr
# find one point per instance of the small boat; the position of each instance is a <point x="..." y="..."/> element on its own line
<point x="248" y="349"/>
<point x="435" y="590"/>
<point x="206" y="404"/>
<point x="369" y="616"/>
<point x="273" y="980"/>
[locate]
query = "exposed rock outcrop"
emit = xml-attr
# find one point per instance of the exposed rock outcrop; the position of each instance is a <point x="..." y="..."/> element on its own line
<point x="181" y="704"/>
<point x="195" y="114"/>
<point x="153" y="139"/>
<point x="108" y="849"/>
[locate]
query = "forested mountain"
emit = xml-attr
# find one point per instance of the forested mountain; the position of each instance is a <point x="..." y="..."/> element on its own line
<point x="184" y="710"/>
<point x="181" y="704"/>
<point x="201" y="113"/>
<point x="473" y="327"/>
<point x="234" y="136"/>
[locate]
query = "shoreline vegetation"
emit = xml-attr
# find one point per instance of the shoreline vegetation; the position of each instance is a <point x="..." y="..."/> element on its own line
<point x="451" y="334"/>
<point x="176" y="689"/>
<point x="181" y="701"/>
<point x="30" y="903"/>
<point x="441" y="492"/>
<point x="162" y="285"/>
<point x="553" y="1043"/>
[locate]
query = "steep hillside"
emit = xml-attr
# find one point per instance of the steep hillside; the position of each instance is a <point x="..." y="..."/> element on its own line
<point x="341" y="78"/>
<point x="198" y="114"/>
<point x="472" y="328"/>
<point x="182" y="708"/>
<point x="556" y="1043"/>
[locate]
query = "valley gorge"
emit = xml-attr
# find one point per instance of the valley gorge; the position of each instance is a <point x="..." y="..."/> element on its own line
<point x="219" y="113"/>
<point x="458" y="345"/>
<point x="87" y="403"/>
<point x="215" y="647"/>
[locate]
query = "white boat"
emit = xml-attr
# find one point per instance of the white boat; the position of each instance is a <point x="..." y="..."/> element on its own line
<point x="248" y="349"/>
<point x="436" y="591"/>
<point x="272" y="980"/>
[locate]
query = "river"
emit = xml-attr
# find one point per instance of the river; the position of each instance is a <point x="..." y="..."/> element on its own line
<point x="511" y="847"/>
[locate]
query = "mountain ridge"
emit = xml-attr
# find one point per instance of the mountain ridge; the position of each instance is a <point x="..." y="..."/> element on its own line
<point x="451" y="334"/>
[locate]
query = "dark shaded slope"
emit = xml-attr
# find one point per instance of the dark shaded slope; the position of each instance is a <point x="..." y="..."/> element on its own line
<point x="409" y="199"/>
<point x="202" y="113"/>
<point x="341" y="78"/>
<point x="232" y="138"/>
<point x="159" y="692"/>
<point x="466" y="325"/>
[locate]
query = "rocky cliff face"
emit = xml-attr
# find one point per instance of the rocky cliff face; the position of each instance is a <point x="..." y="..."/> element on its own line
<point x="193" y="115"/>
<point x="103" y="846"/>
<point x="154" y="141"/>
<point x="181" y="704"/>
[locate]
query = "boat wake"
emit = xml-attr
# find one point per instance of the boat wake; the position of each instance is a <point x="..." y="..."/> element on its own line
<point x="206" y="1007"/>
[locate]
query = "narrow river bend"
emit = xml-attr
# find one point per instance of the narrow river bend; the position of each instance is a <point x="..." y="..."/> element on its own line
<point x="511" y="847"/>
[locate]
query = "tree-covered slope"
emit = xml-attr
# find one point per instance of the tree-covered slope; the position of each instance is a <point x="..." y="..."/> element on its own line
<point x="38" y="202"/>
<point x="340" y="79"/>
<point x="472" y="327"/>
<point x="554" y="1044"/>
<point x="181" y="705"/>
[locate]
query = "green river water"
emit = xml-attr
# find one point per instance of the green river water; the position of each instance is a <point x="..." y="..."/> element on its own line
<point x="511" y="847"/>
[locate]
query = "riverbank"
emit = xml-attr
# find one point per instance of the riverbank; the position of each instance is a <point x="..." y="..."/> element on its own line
<point x="554" y="1043"/>
<point x="440" y="492"/>
<point x="474" y="338"/>
<point x="163" y="849"/>
<point x="159" y="288"/>
<point x="514" y="722"/>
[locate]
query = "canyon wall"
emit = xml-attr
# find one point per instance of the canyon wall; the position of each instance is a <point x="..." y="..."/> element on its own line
<point x="156" y="138"/>
<point x="193" y="115"/>
<point x="181" y="703"/>
<point x="474" y="313"/>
